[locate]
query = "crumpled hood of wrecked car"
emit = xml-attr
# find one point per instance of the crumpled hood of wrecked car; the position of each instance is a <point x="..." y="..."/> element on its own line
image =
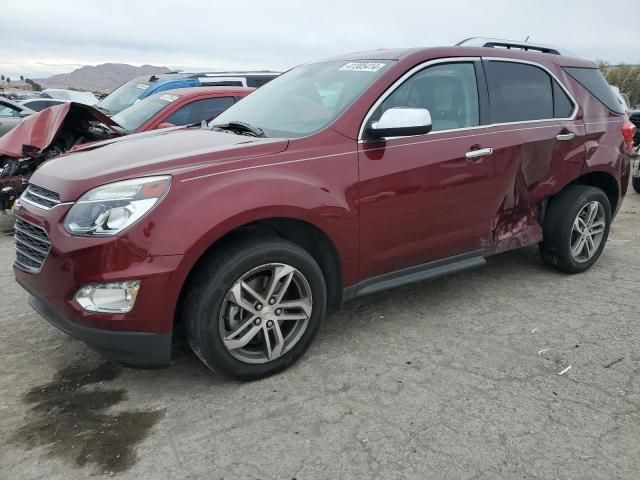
<point x="153" y="153"/>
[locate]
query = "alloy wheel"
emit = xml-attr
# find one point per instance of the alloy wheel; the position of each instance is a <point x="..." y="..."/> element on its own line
<point x="588" y="231"/>
<point x="265" y="313"/>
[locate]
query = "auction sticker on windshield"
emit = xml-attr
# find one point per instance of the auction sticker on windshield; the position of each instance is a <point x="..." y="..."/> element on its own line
<point x="142" y="86"/>
<point x="168" y="97"/>
<point x="363" y="66"/>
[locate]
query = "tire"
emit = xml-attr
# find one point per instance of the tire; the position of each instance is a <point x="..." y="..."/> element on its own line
<point x="212" y="314"/>
<point x="635" y="181"/>
<point x="559" y="232"/>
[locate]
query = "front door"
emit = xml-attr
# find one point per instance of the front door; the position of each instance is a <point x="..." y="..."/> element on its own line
<point x="429" y="197"/>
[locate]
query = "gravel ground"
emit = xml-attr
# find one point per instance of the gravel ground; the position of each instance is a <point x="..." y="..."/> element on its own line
<point x="453" y="378"/>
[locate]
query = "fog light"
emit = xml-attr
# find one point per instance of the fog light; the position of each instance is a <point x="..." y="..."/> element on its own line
<point x="116" y="297"/>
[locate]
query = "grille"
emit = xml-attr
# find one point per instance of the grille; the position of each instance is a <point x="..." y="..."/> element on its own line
<point x="32" y="246"/>
<point x="41" y="197"/>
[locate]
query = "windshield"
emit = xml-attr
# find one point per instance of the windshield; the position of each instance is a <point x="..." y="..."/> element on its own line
<point x="123" y="96"/>
<point x="305" y="99"/>
<point x="133" y="117"/>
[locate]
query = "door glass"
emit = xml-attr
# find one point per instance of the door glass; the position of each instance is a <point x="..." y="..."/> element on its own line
<point x="200" y="110"/>
<point x="8" y="111"/>
<point x="562" y="104"/>
<point x="519" y="92"/>
<point x="449" y="91"/>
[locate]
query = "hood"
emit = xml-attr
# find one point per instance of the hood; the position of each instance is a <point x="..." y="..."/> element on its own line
<point x="166" y="151"/>
<point x="37" y="132"/>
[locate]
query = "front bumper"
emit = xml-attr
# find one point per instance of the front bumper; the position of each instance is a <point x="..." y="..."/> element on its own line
<point x="141" y="337"/>
<point x="136" y="349"/>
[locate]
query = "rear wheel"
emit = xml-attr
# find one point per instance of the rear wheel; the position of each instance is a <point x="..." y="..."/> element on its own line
<point x="576" y="228"/>
<point x="253" y="309"/>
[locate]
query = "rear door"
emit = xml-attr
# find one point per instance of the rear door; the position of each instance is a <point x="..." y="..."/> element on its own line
<point x="538" y="144"/>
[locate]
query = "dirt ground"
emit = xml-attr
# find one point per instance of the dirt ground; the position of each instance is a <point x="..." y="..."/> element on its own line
<point x="453" y="378"/>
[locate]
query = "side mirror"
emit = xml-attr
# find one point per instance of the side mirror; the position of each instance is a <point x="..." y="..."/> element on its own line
<point x="400" y="122"/>
<point x="164" y="125"/>
<point x="24" y="114"/>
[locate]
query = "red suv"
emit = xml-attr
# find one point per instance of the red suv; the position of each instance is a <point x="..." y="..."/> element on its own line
<point x="337" y="179"/>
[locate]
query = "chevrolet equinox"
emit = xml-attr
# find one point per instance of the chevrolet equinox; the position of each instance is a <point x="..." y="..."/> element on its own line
<point x="338" y="179"/>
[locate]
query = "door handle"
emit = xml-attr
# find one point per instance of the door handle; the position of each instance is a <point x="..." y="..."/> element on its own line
<point x="475" y="154"/>
<point x="563" y="137"/>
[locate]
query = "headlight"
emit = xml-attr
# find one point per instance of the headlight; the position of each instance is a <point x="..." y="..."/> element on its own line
<point x="111" y="208"/>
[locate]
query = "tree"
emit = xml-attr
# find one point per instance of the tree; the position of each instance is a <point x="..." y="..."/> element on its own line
<point x="21" y="78"/>
<point x="9" y="81"/>
<point x="36" y="87"/>
<point x="625" y="77"/>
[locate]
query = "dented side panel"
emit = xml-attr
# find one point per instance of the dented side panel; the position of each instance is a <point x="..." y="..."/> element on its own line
<point x="531" y="165"/>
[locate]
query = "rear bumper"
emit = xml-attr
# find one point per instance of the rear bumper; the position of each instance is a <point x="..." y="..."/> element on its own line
<point x="635" y="167"/>
<point x="136" y="349"/>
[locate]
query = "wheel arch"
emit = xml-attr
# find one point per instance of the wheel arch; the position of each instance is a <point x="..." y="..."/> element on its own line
<point x="300" y="232"/>
<point x="605" y="182"/>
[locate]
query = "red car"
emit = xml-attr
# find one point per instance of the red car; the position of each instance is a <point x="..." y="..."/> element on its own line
<point x="61" y="128"/>
<point x="337" y="179"/>
<point x="183" y="106"/>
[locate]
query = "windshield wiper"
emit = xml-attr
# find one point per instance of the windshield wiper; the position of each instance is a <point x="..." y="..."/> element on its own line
<point x="240" y="126"/>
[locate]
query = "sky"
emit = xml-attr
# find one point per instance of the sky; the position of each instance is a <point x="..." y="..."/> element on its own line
<point x="39" y="38"/>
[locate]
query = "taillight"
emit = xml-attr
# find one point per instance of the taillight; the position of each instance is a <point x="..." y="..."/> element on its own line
<point x="628" y="132"/>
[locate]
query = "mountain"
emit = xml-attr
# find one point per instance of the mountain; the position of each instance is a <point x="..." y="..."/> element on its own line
<point x="101" y="77"/>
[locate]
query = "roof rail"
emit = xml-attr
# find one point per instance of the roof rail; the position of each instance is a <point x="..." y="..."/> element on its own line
<point x="513" y="44"/>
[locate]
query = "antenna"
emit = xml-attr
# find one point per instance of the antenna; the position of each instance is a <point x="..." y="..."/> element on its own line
<point x="527" y="39"/>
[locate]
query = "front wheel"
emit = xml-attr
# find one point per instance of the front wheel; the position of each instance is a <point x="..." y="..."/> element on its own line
<point x="635" y="181"/>
<point x="576" y="228"/>
<point x="253" y="309"/>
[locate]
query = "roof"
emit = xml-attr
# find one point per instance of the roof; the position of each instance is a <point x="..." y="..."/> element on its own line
<point x="174" y="75"/>
<point x="379" y="54"/>
<point x="425" y="53"/>
<point x="212" y="91"/>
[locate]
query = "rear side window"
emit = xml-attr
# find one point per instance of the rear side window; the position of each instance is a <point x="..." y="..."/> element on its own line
<point x="224" y="83"/>
<point x="200" y="110"/>
<point x="257" y="82"/>
<point x="521" y="93"/>
<point x="595" y="83"/>
<point x="562" y="104"/>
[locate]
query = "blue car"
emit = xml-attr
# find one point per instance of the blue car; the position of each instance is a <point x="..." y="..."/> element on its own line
<point x="141" y="87"/>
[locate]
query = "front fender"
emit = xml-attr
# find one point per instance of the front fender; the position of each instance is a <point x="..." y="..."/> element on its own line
<point x="195" y="214"/>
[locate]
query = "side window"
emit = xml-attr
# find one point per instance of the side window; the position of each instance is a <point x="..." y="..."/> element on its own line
<point x="200" y="110"/>
<point x="449" y="91"/>
<point x="519" y="92"/>
<point x="8" y="111"/>
<point x="562" y="104"/>
<point x="224" y="83"/>
<point x="257" y="82"/>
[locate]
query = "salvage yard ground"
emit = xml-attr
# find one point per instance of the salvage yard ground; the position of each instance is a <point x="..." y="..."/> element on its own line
<point x="453" y="378"/>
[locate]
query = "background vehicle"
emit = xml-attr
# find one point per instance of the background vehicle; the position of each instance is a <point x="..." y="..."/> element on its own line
<point x="338" y="179"/>
<point x="177" y="107"/>
<point x="39" y="104"/>
<point x="86" y="98"/>
<point x="11" y="114"/>
<point x="55" y="131"/>
<point x="141" y="87"/>
<point x="634" y="117"/>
